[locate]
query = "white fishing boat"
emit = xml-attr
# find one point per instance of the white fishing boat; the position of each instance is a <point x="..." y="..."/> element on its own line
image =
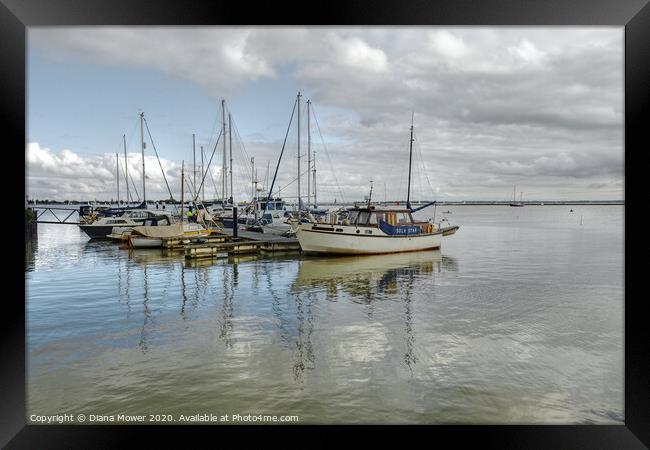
<point x="372" y="230"/>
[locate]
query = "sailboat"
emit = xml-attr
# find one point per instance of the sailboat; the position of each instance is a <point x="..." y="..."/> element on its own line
<point x="270" y="214"/>
<point x="100" y="225"/>
<point x="152" y="236"/>
<point x="369" y="229"/>
<point x="514" y="198"/>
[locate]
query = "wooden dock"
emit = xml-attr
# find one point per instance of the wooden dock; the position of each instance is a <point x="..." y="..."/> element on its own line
<point x="247" y="243"/>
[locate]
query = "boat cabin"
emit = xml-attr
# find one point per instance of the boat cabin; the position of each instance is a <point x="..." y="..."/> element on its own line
<point x="393" y="222"/>
<point x="368" y="217"/>
<point x="274" y="204"/>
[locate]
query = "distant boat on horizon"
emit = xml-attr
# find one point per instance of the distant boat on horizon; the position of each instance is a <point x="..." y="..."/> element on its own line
<point x="514" y="198"/>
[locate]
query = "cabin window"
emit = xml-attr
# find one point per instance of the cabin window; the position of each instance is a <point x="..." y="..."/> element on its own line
<point x="353" y="216"/>
<point x="375" y="218"/>
<point x="363" y="218"/>
<point x="403" y="217"/>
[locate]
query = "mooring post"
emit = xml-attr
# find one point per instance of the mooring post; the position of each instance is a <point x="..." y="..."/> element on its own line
<point x="234" y="222"/>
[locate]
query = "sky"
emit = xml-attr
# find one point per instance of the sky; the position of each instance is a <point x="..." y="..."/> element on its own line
<point x="539" y="108"/>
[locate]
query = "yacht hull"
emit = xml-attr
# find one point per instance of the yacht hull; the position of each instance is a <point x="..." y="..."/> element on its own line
<point x="350" y="242"/>
<point x="97" y="232"/>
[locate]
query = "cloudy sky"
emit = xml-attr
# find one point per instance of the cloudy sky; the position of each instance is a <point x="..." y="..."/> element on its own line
<point x="540" y="108"/>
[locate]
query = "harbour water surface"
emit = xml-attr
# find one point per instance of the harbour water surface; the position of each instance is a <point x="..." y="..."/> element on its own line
<point x="518" y="319"/>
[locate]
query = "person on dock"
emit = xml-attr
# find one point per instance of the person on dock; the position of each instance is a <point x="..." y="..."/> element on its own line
<point x="190" y="215"/>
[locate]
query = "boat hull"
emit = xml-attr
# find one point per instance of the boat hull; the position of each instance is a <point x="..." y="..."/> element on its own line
<point x="97" y="232"/>
<point x="145" y="242"/>
<point x="317" y="241"/>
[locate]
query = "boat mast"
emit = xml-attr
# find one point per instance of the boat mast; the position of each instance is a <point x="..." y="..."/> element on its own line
<point x="230" y="138"/>
<point x="408" y="195"/>
<point x="514" y="194"/>
<point x="182" y="189"/>
<point x="308" y="154"/>
<point x="252" y="179"/>
<point x="194" y="159"/>
<point x="126" y="168"/>
<point x="280" y="158"/>
<point x="315" y="201"/>
<point x="298" y="151"/>
<point x="144" y="192"/>
<point x="224" y="178"/>
<point x="202" y="177"/>
<point x="117" y="169"/>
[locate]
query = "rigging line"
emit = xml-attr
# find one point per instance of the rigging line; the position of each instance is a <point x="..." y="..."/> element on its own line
<point x="214" y="127"/>
<point x="214" y="185"/>
<point x="294" y="180"/>
<point x="277" y="166"/>
<point x="417" y="145"/>
<point x="129" y="136"/>
<point x="209" y="162"/>
<point x="241" y="163"/>
<point x="171" y="196"/>
<point x="124" y="172"/>
<point x="241" y="141"/>
<point x="313" y="112"/>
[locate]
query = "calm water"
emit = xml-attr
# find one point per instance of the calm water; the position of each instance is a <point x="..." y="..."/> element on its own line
<point x="519" y="319"/>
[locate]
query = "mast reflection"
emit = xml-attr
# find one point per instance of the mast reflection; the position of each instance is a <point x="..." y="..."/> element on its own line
<point x="364" y="279"/>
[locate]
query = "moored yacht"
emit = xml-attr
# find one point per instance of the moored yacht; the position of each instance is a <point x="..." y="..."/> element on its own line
<point x="369" y="230"/>
<point x="100" y="228"/>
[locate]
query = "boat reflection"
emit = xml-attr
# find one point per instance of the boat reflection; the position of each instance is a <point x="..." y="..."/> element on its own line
<point x="143" y="277"/>
<point x="363" y="277"/>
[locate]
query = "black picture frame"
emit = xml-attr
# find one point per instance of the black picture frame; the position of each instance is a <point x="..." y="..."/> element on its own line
<point x="16" y="15"/>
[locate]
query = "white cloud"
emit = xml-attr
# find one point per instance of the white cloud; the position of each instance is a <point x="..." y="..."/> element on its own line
<point x="356" y="53"/>
<point x="527" y="52"/>
<point x="448" y="45"/>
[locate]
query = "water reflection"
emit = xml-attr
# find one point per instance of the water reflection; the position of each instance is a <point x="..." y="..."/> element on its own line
<point x="31" y="249"/>
<point x="227" y="308"/>
<point x="363" y="277"/>
<point x="304" y="355"/>
<point x="359" y="279"/>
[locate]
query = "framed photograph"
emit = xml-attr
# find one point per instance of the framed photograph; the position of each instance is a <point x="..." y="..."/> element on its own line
<point x="395" y="214"/>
